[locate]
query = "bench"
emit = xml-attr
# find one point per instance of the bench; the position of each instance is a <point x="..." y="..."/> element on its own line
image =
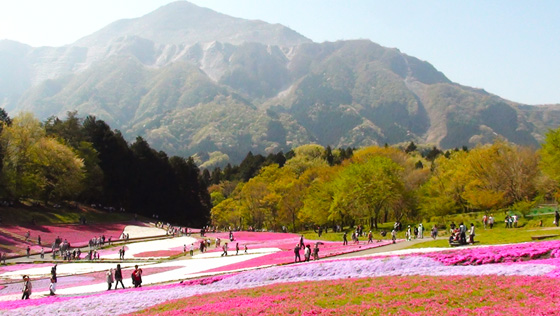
<point x="543" y="237"/>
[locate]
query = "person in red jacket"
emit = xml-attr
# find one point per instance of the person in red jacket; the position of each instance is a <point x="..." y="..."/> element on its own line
<point x="137" y="276"/>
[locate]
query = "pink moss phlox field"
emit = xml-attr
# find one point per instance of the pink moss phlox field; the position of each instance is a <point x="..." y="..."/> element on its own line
<point x="77" y="235"/>
<point x="497" y="254"/>
<point x="328" y="249"/>
<point x="75" y="304"/>
<point x="129" y="301"/>
<point x="387" y="296"/>
<point x="261" y="237"/>
<point x="70" y="281"/>
<point x="13" y="246"/>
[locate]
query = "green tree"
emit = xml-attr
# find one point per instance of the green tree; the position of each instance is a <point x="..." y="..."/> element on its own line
<point x="366" y="187"/>
<point x="20" y="156"/>
<point x="61" y="171"/>
<point x="38" y="166"/>
<point x="442" y="194"/>
<point x="550" y="155"/>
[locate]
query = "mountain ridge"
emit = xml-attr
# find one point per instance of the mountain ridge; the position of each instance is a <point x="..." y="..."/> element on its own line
<point x="228" y="95"/>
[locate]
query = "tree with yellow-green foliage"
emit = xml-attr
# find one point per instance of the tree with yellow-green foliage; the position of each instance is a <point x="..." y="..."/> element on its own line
<point x="37" y="166"/>
<point x="550" y="159"/>
<point x="318" y="206"/>
<point x="406" y="205"/>
<point x="443" y="192"/>
<point x="500" y="174"/>
<point x="364" y="188"/>
<point x="486" y="178"/>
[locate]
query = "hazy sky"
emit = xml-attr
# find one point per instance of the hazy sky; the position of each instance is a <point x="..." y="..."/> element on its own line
<point x="510" y="48"/>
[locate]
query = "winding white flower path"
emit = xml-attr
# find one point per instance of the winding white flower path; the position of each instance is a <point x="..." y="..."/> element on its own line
<point x="184" y="268"/>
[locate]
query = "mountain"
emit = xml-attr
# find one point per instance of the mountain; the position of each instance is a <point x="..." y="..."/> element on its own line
<point x="192" y="81"/>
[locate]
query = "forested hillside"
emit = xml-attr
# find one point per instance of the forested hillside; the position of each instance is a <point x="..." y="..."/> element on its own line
<point x="62" y="161"/>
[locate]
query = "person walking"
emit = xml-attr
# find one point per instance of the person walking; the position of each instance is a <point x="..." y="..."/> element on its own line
<point x="110" y="279"/>
<point x="118" y="276"/>
<point x="28" y="250"/>
<point x="236" y="249"/>
<point x="394" y="236"/>
<point x="52" y="287"/>
<point x="53" y="273"/>
<point x="307" y="253"/>
<point x="434" y="232"/>
<point x="296" y="252"/>
<point x="316" y="252"/>
<point x="27" y="288"/>
<point x="471" y="234"/>
<point x="408" y="233"/>
<point x="345" y="239"/>
<point x="192" y="249"/>
<point x="42" y="253"/>
<point x="556" y="217"/>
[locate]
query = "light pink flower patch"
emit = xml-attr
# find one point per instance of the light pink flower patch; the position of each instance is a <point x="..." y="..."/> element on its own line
<point x="80" y="280"/>
<point x="327" y="249"/>
<point x="17" y="267"/>
<point x="158" y="253"/>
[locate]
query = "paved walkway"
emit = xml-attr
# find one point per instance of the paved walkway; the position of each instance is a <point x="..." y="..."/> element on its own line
<point x="388" y="248"/>
<point x="36" y="257"/>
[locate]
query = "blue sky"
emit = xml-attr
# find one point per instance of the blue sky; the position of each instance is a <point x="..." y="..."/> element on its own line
<point x="510" y="48"/>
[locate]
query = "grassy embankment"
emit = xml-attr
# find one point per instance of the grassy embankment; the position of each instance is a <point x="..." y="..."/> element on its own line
<point x="25" y="213"/>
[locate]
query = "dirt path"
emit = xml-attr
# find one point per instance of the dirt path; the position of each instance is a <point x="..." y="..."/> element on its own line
<point x="391" y="247"/>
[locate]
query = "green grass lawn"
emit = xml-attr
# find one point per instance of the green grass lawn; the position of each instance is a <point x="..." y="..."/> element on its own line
<point x="498" y="235"/>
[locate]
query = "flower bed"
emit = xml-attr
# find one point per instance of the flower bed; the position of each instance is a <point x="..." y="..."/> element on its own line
<point x="414" y="284"/>
<point x="397" y="267"/>
<point x="497" y="254"/>
<point x="158" y="254"/>
<point x="327" y="249"/>
<point x="13" y="247"/>
<point x="64" y="282"/>
<point x="19" y="267"/>
<point x="380" y="296"/>
<point x="77" y="235"/>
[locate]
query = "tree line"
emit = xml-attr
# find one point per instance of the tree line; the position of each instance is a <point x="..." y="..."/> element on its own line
<point x="380" y="184"/>
<point x="85" y="160"/>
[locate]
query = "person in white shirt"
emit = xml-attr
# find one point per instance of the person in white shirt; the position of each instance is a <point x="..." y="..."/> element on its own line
<point x="471" y="234"/>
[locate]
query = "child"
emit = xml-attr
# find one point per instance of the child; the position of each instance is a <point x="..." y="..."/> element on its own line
<point x="52" y="287"/>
